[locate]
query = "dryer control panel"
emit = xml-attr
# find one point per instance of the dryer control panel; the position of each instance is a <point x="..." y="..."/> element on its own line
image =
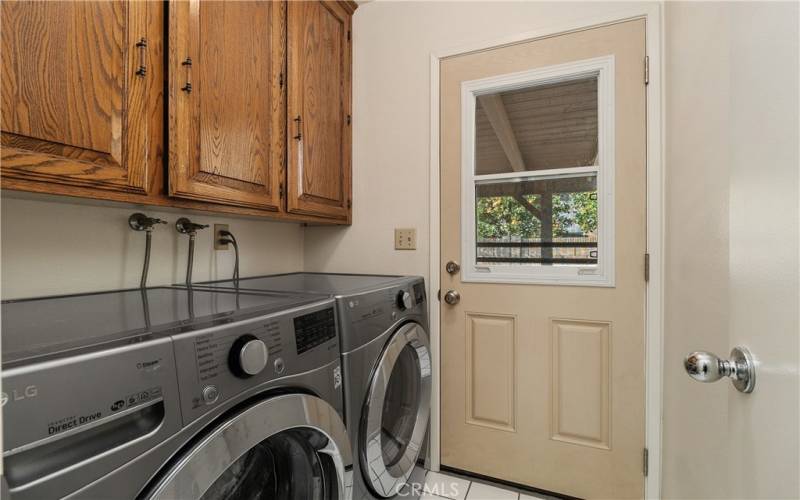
<point x="223" y="362"/>
<point x="365" y="316"/>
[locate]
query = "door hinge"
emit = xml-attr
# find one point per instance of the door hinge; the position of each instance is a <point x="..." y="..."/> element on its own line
<point x="280" y="80"/>
<point x="349" y="119"/>
<point x="647" y="267"/>
<point x="348" y="35"/>
<point x="645" y="461"/>
<point x="280" y="190"/>
<point x="646" y="70"/>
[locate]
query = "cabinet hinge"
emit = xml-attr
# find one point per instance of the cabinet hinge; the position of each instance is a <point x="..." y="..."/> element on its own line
<point x="280" y="190"/>
<point x="349" y="119"/>
<point x="349" y="204"/>
<point x="348" y="35"/>
<point x="645" y="462"/>
<point x="646" y="70"/>
<point x="280" y="80"/>
<point x="647" y="267"/>
<point x="439" y="295"/>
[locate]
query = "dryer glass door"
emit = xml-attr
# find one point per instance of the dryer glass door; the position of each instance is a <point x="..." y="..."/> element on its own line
<point x="397" y="411"/>
<point x="291" y="447"/>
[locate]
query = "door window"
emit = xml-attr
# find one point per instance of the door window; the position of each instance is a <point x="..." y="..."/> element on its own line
<point x="541" y="221"/>
<point x="538" y="176"/>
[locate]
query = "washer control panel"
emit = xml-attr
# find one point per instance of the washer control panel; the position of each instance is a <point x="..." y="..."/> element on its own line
<point x="313" y="329"/>
<point x="222" y="362"/>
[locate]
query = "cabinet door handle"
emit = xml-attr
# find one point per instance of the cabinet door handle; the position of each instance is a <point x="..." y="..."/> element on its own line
<point x="188" y="87"/>
<point x="299" y="122"/>
<point x="142" y="46"/>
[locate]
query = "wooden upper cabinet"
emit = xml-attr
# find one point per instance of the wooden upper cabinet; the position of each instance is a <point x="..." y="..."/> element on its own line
<point x="258" y="99"/>
<point x="227" y="121"/>
<point x="319" y="173"/>
<point x="82" y="90"/>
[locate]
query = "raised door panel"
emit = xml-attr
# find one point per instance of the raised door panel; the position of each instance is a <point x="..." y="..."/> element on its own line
<point x="581" y="383"/>
<point x="319" y="173"/>
<point x="227" y="103"/>
<point x="491" y="379"/>
<point x="81" y="95"/>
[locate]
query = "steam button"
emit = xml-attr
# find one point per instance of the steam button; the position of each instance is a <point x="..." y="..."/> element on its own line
<point x="210" y="394"/>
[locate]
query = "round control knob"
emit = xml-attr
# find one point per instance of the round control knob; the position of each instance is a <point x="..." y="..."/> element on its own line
<point x="210" y="394"/>
<point x="248" y="356"/>
<point x="404" y="300"/>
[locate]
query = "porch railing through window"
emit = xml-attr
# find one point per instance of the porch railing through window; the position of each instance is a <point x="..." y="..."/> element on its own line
<point x="577" y="250"/>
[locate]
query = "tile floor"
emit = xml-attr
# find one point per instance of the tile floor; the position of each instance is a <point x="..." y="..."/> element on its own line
<point x="446" y="486"/>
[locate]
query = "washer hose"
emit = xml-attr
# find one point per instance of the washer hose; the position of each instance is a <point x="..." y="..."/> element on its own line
<point x="190" y="261"/>
<point x="146" y="267"/>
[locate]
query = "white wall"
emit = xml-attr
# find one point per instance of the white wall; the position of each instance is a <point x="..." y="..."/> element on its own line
<point x="57" y="245"/>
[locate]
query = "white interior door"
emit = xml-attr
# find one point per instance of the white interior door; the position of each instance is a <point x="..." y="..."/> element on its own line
<point x="732" y="275"/>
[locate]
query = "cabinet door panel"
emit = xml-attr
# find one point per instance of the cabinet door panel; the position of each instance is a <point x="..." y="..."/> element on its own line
<point x="319" y="107"/>
<point x="74" y="109"/>
<point x="227" y="135"/>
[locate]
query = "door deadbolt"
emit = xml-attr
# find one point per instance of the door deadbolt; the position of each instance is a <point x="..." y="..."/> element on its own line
<point x="452" y="267"/>
<point x="452" y="297"/>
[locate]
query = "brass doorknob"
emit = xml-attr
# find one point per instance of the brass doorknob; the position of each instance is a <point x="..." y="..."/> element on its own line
<point x="452" y="297"/>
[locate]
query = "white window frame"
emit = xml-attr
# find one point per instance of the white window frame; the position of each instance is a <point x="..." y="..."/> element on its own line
<point x="601" y="274"/>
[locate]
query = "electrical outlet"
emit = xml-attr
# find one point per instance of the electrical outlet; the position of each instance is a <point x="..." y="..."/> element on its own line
<point x="217" y="229"/>
<point x="405" y="239"/>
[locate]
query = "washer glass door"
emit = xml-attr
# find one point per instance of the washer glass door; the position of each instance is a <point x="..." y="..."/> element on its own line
<point x="291" y="447"/>
<point x="286" y="466"/>
<point x="397" y="410"/>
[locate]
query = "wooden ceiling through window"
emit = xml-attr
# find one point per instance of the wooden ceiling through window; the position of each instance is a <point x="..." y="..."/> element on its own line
<point x="537" y="128"/>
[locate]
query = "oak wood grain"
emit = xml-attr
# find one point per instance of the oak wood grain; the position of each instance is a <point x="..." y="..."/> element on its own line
<point x="227" y="136"/>
<point x="112" y="148"/>
<point x="62" y="191"/>
<point x="73" y="110"/>
<point x="319" y="55"/>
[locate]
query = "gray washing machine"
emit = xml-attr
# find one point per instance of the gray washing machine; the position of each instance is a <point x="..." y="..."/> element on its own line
<point x="383" y="327"/>
<point x="174" y="394"/>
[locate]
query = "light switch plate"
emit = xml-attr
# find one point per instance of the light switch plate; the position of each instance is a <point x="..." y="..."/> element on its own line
<point x="405" y="238"/>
